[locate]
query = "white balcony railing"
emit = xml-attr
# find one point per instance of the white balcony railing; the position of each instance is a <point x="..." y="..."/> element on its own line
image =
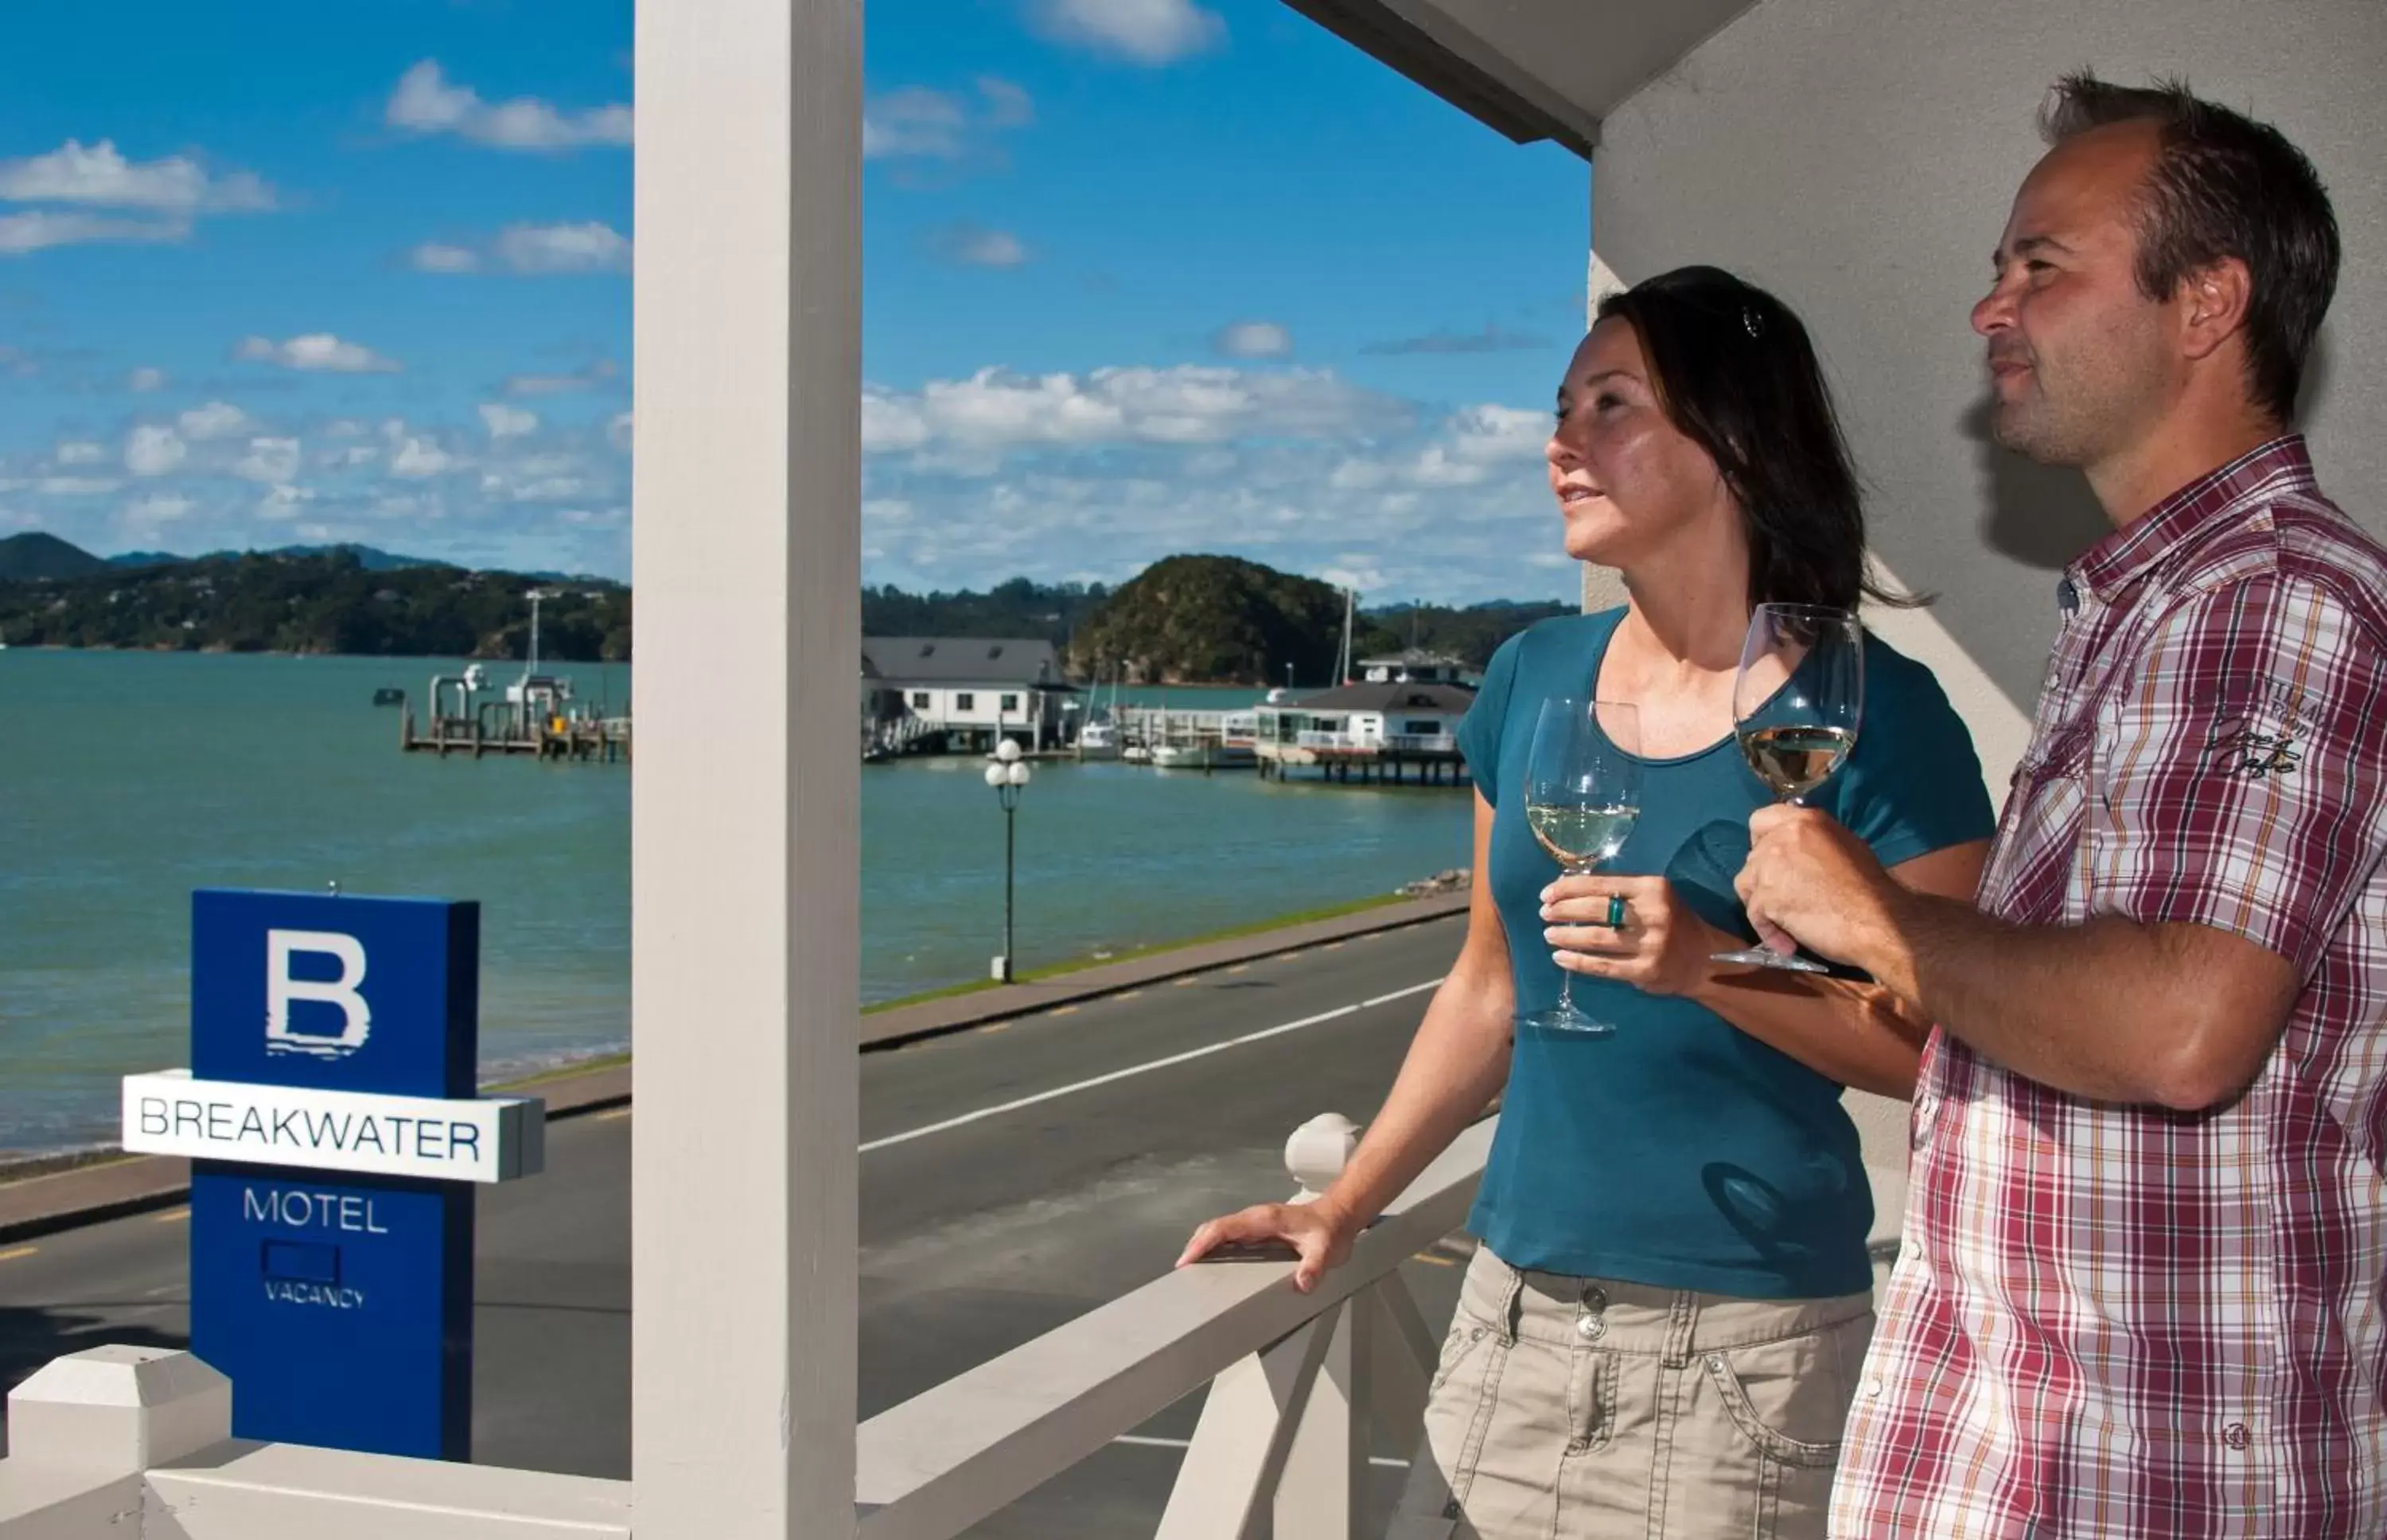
<point x="1422" y="743"/>
<point x="1295" y="1380"/>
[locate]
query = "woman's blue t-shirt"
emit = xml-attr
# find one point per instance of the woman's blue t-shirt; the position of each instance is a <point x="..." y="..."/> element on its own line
<point x="1679" y="1152"/>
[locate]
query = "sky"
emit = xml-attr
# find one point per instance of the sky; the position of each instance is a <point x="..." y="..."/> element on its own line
<point x="1141" y="277"/>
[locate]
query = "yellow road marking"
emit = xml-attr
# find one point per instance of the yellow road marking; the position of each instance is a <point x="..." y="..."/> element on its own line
<point x="11" y="1254"/>
<point x="174" y="1216"/>
<point x="1064" y="1010"/>
<point x="1333" y="946"/>
<point x="1240" y="967"/>
<point x="611" y="1112"/>
<point x="1128" y="994"/>
<point x="1187" y="983"/>
<point x="1437" y="1261"/>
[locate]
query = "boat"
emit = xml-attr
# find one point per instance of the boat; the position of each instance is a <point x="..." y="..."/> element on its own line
<point x="389" y="695"/>
<point x="1099" y="739"/>
<point x="1181" y="757"/>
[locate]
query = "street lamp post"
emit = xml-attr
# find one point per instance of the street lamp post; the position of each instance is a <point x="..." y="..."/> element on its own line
<point x="1008" y="775"/>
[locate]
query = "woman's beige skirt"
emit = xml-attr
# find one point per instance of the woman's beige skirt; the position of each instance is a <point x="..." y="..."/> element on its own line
<point x="1575" y="1408"/>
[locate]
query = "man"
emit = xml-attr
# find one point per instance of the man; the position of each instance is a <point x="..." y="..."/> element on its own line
<point x="2143" y="1288"/>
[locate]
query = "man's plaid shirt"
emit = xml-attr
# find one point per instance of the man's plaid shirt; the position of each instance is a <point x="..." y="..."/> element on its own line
<point x="2119" y="1321"/>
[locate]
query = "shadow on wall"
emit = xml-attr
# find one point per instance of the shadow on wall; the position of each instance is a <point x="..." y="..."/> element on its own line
<point x="2320" y="366"/>
<point x="2041" y="515"/>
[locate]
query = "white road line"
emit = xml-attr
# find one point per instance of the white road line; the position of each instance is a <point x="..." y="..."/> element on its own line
<point x="1401" y="994"/>
<point x="1150" y="1441"/>
<point x="1186" y="1057"/>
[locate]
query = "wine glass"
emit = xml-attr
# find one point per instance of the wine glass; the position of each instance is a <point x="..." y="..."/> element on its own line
<point x="1796" y="706"/>
<point x="1583" y="795"/>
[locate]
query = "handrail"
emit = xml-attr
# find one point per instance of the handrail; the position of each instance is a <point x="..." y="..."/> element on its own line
<point x="952" y="1455"/>
<point x="1297" y="1377"/>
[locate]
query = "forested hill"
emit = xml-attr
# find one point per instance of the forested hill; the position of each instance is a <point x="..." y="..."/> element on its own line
<point x="1187" y="619"/>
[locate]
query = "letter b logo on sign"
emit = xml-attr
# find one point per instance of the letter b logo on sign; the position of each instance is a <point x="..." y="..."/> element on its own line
<point x="283" y="948"/>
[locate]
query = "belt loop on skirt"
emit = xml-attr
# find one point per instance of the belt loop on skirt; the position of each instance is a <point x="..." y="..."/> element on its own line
<point x="1512" y="1304"/>
<point x="1682" y="1320"/>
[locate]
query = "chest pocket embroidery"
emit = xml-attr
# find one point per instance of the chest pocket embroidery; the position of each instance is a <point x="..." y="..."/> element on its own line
<point x="2258" y="738"/>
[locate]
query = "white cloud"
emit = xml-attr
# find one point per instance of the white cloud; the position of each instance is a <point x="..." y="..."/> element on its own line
<point x="283" y="502"/>
<point x="348" y="457"/>
<point x="76" y="486"/>
<point x="504" y="422"/>
<point x="99" y="176"/>
<point x="437" y="257"/>
<point x="995" y="410"/>
<point x="317" y="351"/>
<point x="603" y="372"/>
<point x="79" y="451"/>
<point x="268" y="460"/>
<point x="892" y="422"/>
<point x="1145" y="32"/>
<point x="424" y="101"/>
<point x="153" y="451"/>
<point x="145" y="380"/>
<point x="916" y="122"/>
<point x="1253" y="339"/>
<point x="215" y="419"/>
<point x="419" y="457"/>
<point x="1318" y="479"/>
<point x="617" y="432"/>
<point x="1008" y="106"/>
<point x="162" y="508"/>
<point x="913" y="121"/>
<point x="975" y="245"/>
<point x="538" y="488"/>
<point x="1500" y="436"/>
<point x="40" y="229"/>
<point x="545" y="249"/>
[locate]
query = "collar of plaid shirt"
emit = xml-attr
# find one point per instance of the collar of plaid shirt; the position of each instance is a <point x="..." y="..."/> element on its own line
<point x="2138" y="547"/>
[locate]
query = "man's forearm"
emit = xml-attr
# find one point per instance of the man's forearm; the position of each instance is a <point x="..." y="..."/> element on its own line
<point x="2099" y="1010"/>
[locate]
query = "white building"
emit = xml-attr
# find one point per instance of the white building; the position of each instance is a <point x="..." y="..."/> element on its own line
<point x="1380" y="726"/>
<point x="971" y="690"/>
<point x="1412" y="666"/>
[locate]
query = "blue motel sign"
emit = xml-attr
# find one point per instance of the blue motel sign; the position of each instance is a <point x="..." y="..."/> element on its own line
<point x="337" y="1142"/>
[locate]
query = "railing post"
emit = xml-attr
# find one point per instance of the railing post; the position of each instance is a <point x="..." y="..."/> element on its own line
<point x="1228" y="1477"/>
<point x="83" y="1428"/>
<point x="1322" y="1491"/>
<point x="114" y="1412"/>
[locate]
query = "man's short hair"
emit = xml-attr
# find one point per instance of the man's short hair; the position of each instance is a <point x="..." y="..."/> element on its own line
<point x="2223" y="185"/>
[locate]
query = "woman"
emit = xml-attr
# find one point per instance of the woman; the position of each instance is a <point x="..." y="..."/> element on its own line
<point x="1662" y="1326"/>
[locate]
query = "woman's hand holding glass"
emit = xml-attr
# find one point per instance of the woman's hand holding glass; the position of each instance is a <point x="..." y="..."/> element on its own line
<point x="1663" y="947"/>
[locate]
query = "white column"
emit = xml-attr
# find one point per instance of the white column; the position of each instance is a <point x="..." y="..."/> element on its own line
<point x="743" y="849"/>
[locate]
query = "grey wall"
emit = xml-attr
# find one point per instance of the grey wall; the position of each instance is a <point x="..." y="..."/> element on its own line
<point x="1857" y="157"/>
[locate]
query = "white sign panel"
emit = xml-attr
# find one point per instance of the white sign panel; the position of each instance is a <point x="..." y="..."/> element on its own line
<point x="484" y="1139"/>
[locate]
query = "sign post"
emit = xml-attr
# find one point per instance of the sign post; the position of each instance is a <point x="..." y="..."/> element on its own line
<point x="331" y="1116"/>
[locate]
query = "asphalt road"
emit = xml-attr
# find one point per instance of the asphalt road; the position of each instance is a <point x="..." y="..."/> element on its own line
<point x="984" y="1223"/>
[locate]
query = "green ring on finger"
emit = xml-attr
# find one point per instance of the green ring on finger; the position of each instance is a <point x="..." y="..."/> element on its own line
<point x="1616" y="912"/>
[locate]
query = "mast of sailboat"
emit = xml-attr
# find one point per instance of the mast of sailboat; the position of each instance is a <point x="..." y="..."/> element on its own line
<point x="1342" y="667"/>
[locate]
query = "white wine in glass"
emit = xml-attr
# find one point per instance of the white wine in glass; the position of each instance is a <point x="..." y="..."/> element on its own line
<point x="1583" y="796"/>
<point x="1796" y="706"/>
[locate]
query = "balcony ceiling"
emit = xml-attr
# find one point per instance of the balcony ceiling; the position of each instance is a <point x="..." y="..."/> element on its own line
<point x="1530" y="69"/>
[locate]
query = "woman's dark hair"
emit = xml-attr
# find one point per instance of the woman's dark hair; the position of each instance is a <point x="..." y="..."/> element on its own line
<point x="1734" y="373"/>
<point x="2223" y="185"/>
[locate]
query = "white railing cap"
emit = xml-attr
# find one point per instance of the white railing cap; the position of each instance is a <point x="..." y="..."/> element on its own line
<point x="952" y="1455"/>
